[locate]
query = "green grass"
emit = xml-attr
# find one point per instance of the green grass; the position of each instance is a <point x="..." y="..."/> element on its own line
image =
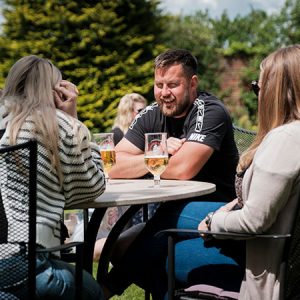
<point x="132" y="293"/>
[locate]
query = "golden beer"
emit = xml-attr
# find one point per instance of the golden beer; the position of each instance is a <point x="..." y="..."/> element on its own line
<point x="156" y="164"/>
<point x="109" y="159"/>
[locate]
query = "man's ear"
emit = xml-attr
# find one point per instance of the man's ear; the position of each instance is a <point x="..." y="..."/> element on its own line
<point x="194" y="82"/>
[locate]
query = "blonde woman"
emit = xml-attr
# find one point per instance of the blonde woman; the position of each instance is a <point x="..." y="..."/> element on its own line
<point x="37" y="103"/>
<point x="129" y="107"/>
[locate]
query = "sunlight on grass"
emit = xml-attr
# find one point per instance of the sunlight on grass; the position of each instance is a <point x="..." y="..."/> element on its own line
<point x="132" y="293"/>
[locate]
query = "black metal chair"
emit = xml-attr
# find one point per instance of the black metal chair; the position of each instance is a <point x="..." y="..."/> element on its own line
<point x="18" y="223"/>
<point x="290" y="289"/>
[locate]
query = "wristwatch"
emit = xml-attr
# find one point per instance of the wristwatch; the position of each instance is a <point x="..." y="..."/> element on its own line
<point x="208" y="219"/>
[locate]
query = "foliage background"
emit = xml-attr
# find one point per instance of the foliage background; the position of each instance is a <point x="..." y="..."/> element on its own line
<point x="107" y="48"/>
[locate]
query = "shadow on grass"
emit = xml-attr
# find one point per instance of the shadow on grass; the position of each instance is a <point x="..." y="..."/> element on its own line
<point x="132" y="293"/>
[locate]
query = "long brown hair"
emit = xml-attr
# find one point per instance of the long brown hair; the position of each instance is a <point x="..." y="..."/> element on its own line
<point x="28" y="93"/>
<point x="279" y="95"/>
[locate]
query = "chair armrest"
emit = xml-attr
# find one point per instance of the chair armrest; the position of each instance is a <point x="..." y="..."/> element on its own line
<point x="174" y="231"/>
<point x="60" y="247"/>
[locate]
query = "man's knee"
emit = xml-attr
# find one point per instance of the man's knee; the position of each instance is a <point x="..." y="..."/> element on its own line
<point x="125" y="240"/>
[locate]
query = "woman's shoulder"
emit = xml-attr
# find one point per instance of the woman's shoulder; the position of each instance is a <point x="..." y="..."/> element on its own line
<point x="68" y="123"/>
<point x="280" y="150"/>
<point x="72" y="132"/>
<point x="287" y="132"/>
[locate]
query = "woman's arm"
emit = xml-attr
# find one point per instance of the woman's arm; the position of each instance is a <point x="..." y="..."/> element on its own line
<point x="268" y="185"/>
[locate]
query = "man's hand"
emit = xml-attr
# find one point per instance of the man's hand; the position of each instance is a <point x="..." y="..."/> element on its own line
<point x="174" y="144"/>
<point x="65" y="96"/>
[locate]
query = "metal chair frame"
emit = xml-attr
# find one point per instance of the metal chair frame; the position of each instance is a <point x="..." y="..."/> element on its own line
<point x="31" y="145"/>
<point x="243" y="138"/>
<point x="290" y="289"/>
<point x="172" y="233"/>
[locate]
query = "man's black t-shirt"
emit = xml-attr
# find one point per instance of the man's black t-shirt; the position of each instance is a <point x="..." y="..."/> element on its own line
<point x="118" y="134"/>
<point x="208" y="122"/>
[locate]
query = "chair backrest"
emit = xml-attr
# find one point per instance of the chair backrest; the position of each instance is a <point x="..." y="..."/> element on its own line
<point x="291" y="286"/>
<point x="243" y="138"/>
<point x="18" y="169"/>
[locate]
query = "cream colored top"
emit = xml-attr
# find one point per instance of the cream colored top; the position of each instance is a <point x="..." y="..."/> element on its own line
<point x="271" y="192"/>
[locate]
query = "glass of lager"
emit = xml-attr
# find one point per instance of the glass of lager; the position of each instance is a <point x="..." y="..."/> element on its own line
<point x="156" y="154"/>
<point x="105" y="142"/>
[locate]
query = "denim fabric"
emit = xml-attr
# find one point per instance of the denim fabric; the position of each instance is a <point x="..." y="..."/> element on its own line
<point x="219" y="263"/>
<point x="14" y="274"/>
<point x="138" y="217"/>
<point x="55" y="279"/>
<point x="145" y="261"/>
<point x="8" y="296"/>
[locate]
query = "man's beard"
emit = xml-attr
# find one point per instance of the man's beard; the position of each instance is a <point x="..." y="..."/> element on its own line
<point x="179" y="108"/>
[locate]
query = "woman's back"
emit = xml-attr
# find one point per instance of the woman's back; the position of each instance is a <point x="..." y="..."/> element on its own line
<point x="80" y="164"/>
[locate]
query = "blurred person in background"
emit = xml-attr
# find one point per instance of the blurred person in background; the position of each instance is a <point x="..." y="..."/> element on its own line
<point x="129" y="107"/>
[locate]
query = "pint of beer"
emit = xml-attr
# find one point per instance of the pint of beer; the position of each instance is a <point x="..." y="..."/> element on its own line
<point x="156" y="154"/>
<point x="105" y="142"/>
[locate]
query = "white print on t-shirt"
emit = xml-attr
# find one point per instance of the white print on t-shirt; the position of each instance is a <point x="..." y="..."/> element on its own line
<point x="197" y="137"/>
<point x="143" y="112"/>
<point x="200" y="114"/>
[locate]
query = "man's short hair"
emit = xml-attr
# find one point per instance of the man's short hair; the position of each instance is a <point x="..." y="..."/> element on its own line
<point x="177" y="56"/>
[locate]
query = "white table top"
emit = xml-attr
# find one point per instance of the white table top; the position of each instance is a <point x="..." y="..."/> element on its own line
<point x="141" y="191"/>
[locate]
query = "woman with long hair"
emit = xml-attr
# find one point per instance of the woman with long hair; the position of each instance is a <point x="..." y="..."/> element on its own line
<point x="271" y="176"/>
<point x="129" y="107"/>
<point x="37" y="104"/>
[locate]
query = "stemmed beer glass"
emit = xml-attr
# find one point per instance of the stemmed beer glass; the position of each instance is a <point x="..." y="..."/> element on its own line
<point x="156" y="154"/>
<point x="107" y="150"/>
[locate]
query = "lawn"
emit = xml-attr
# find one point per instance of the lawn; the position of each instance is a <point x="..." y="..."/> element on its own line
<point x="132" y="293"/>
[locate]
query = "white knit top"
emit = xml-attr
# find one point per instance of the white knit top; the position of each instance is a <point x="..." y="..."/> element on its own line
<point x="82" y="170"/>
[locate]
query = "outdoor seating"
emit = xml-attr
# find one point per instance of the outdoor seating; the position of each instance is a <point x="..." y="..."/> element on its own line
<point x="18" y="233"/>
<point x="291" y="261"/>
<point x="290" y="289"/>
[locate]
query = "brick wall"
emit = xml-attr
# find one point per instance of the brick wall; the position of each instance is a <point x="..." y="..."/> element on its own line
<point x="231" y="72"/>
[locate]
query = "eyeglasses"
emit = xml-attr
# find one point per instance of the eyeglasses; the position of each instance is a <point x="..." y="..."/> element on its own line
<point x="255" y="87"/>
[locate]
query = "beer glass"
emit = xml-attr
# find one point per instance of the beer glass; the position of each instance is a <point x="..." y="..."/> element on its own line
<point x="156" y="154"/>
<point x="105" y="142"/>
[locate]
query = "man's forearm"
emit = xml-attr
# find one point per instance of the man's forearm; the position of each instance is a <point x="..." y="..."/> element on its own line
<point x="177" y="170"/>
<point x="128" y="166"/>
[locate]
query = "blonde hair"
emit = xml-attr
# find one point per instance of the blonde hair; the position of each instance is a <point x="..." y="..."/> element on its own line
<point x="126" y="109"/>
<point x="279" y="95"/>
<point x="28" y="92"/>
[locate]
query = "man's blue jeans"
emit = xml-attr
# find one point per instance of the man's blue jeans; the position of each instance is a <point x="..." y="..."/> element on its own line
<point x="196" y="261"/>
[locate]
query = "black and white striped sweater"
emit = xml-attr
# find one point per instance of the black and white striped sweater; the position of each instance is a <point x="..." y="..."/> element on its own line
<point x="82" y="169"/>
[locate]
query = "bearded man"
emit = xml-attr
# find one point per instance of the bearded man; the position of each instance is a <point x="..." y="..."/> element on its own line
<point x="201" y="147"/>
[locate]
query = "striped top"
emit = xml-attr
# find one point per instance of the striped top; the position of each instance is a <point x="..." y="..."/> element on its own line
<point x="82" y="169"/>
